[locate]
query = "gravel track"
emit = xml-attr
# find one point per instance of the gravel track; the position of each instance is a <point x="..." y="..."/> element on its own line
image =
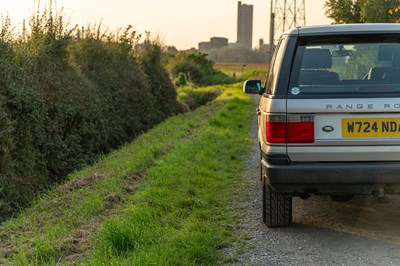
<point x="359" y="232"/>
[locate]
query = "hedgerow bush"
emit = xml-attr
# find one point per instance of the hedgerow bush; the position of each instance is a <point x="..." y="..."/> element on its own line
<point x="153" y="60"/>
<point x="121" y="84"/>
<point x="68" y="95"/>
<point x="196" y="68"/>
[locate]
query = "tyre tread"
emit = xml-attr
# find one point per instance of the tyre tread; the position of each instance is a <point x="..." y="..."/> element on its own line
<point x="277" y="208"/>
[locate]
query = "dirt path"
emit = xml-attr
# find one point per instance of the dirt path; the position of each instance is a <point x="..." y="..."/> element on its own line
<point x="360" y="232"/>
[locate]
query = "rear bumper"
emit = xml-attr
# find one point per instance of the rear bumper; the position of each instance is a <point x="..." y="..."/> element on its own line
<point x="359" y="178"/>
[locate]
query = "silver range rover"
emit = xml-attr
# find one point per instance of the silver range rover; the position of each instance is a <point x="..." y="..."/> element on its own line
<point x="329" y="116"/>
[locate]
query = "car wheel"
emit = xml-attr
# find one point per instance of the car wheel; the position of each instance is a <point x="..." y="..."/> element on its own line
<point x="277" y="208"/>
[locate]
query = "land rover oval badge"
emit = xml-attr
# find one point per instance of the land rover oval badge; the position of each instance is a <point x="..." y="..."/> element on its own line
<point x="328" y="129"/>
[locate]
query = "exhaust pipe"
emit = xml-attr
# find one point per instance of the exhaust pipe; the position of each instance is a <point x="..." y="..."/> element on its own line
<point x="381" y="196"/>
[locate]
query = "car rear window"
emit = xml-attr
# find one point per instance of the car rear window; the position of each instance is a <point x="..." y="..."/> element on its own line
<point x="366" y="64"/>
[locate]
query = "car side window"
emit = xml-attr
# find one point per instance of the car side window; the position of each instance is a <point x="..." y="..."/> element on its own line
<point x="275" y="66"/>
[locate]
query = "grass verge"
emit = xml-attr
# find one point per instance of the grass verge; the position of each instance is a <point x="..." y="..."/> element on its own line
<point x="160" y="200"/>
<point x="192" y="98"/>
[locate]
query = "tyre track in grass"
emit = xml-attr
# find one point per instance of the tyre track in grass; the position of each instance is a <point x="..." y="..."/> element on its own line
<point x="359" y="232"/>
<point x="57" y="227"/>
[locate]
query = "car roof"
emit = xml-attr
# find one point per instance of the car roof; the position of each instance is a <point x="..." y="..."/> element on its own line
<point x="345" y="29"/>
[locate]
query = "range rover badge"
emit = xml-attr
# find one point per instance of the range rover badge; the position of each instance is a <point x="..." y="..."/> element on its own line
<point x="328" y="128"/>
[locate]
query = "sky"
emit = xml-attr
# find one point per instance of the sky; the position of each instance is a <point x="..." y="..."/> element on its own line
<point x="181" y="23"/>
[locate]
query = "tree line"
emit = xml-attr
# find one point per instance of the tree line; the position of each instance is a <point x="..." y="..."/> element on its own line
<point x="363" y="11"/>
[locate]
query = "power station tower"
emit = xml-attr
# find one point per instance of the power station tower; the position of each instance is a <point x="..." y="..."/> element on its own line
<point x="286" y="14"/>
<point x="245" y="25"/>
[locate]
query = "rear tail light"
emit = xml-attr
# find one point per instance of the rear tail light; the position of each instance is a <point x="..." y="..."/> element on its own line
<point x="276" y="128"/>
<point x="300" y="129"/>
<point x="297" y="128"/>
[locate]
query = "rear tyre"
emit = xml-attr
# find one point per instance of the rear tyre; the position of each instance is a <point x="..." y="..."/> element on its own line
<point x="277" y="208"/>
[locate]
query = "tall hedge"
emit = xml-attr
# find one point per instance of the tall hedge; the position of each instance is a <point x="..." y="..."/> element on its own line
<point x="196" y="68"/>
<point x="66" y="97"/>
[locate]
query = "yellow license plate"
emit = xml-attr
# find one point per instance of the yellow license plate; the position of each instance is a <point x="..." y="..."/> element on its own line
<point x="370" y="127"/>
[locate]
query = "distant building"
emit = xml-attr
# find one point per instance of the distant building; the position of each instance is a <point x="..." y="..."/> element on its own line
<point x="245" y="25"/>
<point x="218" y="42"/>
<point x="214" y="43"/>
<point x="204" y="46"/>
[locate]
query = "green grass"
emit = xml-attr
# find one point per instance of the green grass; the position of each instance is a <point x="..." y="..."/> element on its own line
<point x="161" y="200"/>
<point x="193" y="98"/>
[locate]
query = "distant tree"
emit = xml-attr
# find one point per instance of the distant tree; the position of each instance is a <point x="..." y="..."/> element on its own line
<point x="344" y="11"/>
<point x="378" y="11"/>
<point x="172" y="50"/>
<point x="362" y="11"/>
<point x="195" y="66"/>
<point x="395" y="12"/>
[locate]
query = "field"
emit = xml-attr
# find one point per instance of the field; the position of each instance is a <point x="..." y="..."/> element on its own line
<point x="250" y="71"/>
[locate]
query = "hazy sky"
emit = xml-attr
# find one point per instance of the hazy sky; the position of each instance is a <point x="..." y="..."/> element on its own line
<point x="183" y="23"/>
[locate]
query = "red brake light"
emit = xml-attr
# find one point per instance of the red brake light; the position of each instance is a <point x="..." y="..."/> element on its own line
<point x="276" y="132"/>
<point x="301" y="132"/>
<point x="276" y="129"/>
<point x="291" y="129"/>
